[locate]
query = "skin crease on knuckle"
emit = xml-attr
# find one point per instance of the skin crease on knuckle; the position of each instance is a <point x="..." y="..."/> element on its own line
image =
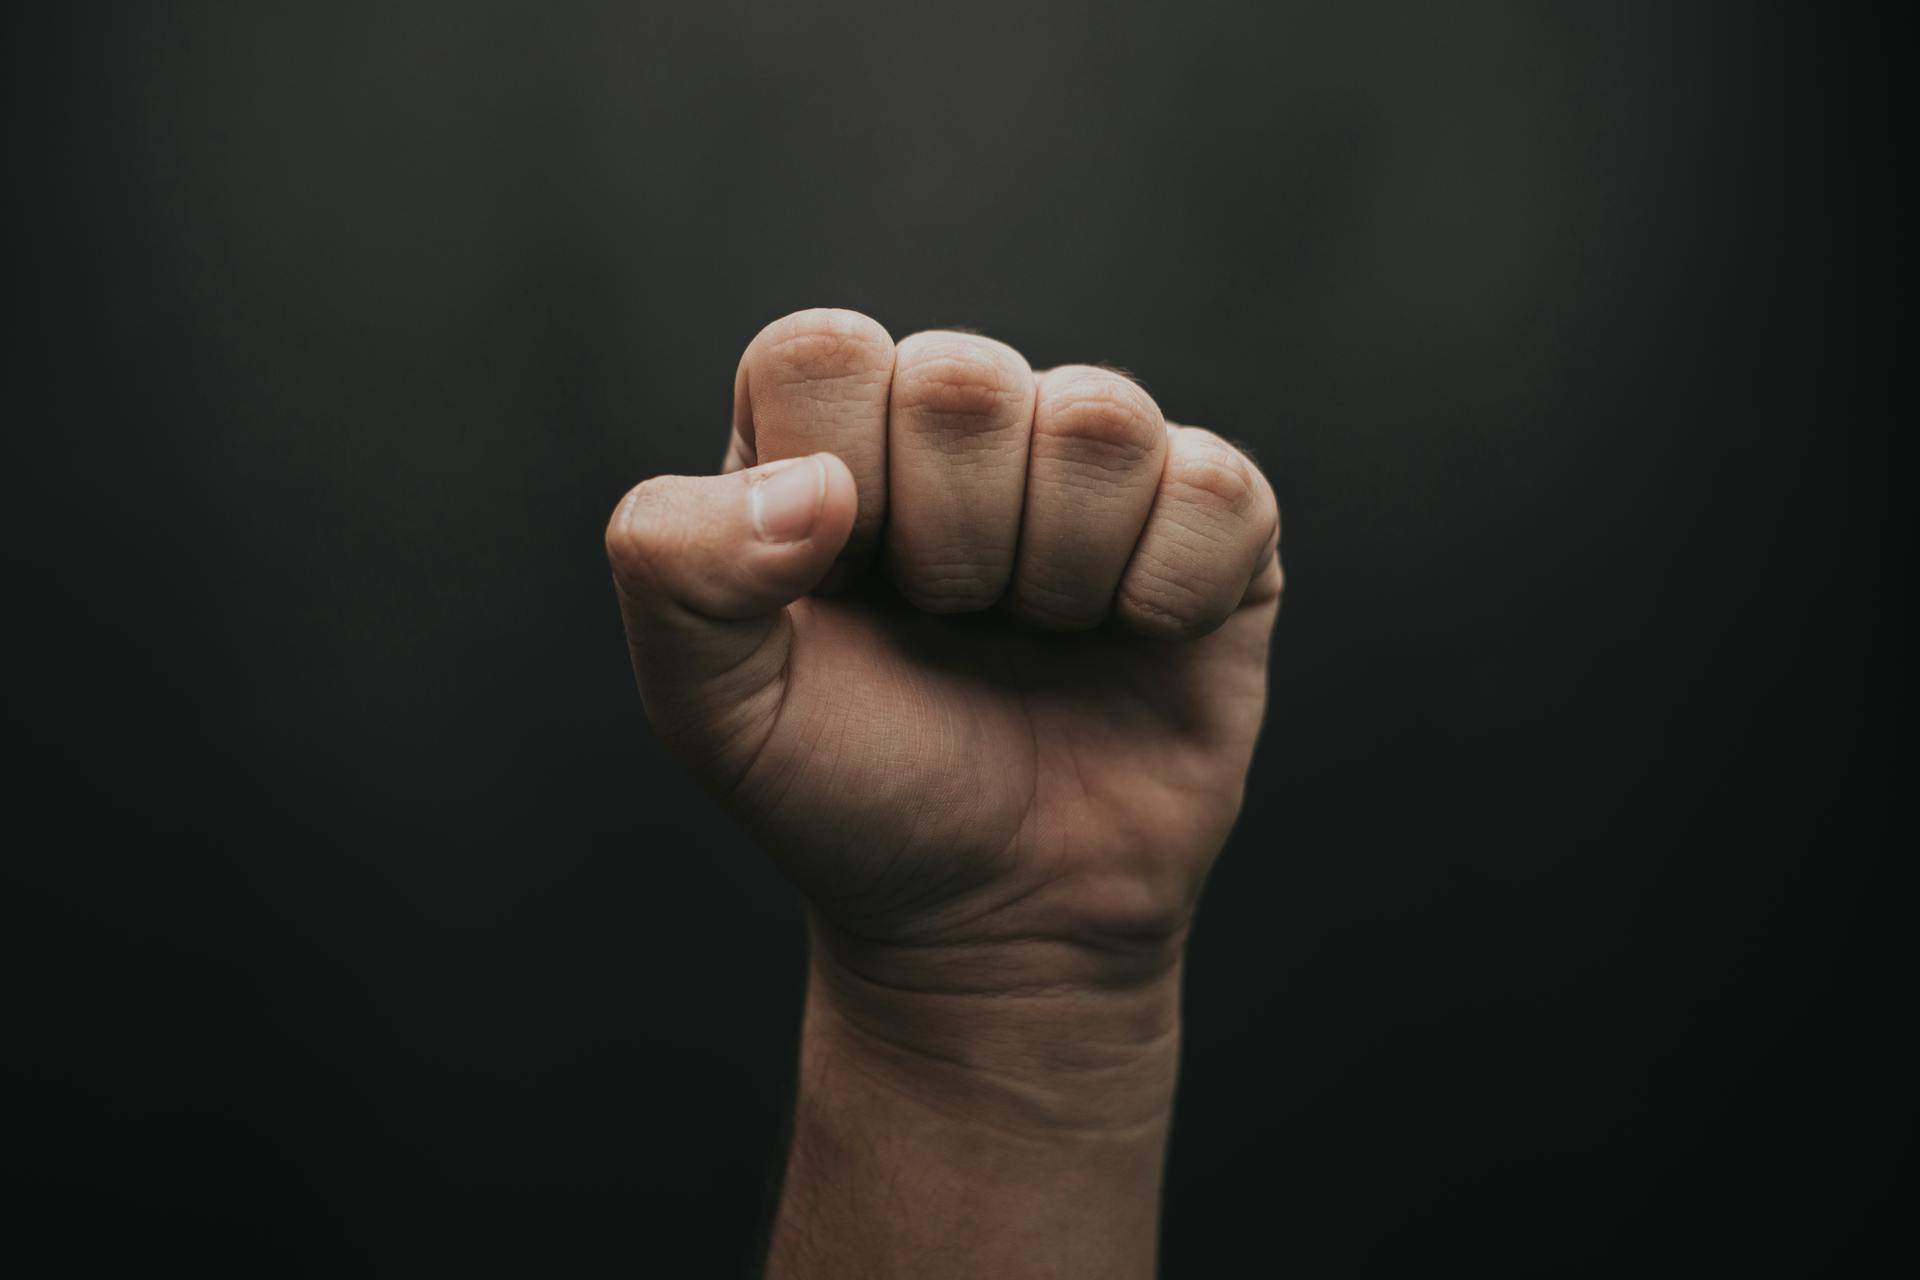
<point x="1091" y="417"/>
<point x="823" y="347"/>
<point x="967" y="383"/>
<point x="1213" y="471"/>
<point x="1161" y="601"/>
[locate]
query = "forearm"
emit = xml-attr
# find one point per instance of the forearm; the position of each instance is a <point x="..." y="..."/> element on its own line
<point x="957" y="1134"/>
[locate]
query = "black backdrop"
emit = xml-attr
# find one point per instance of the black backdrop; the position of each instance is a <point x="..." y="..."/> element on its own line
<point x="358" y="924"/>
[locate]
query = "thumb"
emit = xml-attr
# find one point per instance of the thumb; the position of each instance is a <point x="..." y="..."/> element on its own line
<point x="704" y="567"/>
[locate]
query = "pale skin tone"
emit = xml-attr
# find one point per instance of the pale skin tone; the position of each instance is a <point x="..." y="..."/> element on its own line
<point x="978" y="655"/>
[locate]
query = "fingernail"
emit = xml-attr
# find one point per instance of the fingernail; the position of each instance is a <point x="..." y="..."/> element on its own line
<point x="786" y="498"/>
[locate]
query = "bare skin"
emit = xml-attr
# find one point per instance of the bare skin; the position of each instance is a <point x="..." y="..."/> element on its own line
<point x="997" y="748"/>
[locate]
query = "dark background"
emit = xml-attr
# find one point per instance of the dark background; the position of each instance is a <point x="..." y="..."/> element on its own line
<point x="357" y="923"/>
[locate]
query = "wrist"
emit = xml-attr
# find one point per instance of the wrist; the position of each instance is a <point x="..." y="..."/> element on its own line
<point x="1030" y="1038"/>
<point x="954" y="1121"/>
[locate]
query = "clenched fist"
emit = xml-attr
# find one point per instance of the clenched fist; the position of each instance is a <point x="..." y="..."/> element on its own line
<point x="978" y="655"/>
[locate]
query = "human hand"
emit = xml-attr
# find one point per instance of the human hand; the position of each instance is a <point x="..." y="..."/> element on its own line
<point x="997" y="751"/>
<point x="1005" y="748"/>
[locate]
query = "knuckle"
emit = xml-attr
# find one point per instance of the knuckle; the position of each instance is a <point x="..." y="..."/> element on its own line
<point x="1053" y="609"/>
<point x="951" y="588"/>
<point x="820" y="345"/>
<point x="1210" y="471"/>
<point x="1160" y="605"/>
<point x="1098" y="412"/>
<point x="961" y="376"/>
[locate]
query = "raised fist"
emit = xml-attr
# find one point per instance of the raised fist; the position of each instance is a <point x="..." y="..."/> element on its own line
<point x="976" y="653"/>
